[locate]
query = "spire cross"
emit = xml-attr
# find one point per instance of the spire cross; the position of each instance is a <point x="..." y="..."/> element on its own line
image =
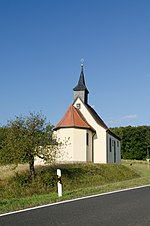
<point x="82" y="61"/>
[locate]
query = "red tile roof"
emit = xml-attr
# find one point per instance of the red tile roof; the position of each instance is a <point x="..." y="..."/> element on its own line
<point x="73" y="118"/>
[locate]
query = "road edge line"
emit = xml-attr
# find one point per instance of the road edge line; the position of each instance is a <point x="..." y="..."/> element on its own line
<point x="72" y="200"/>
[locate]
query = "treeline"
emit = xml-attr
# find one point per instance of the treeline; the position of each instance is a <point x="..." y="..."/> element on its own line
<point x="135" y="141"/>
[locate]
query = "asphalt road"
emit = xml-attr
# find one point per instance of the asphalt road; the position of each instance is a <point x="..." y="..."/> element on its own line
<point x="127" y="208"/>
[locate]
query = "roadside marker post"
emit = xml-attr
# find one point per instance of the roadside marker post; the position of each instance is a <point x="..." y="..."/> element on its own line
<point x="59" y="183"/>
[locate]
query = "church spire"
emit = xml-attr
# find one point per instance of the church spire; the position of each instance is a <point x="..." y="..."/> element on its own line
<point x="81" y="89"/>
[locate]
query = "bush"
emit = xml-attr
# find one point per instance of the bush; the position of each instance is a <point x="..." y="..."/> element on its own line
<point x="22" y="179"/>
<point x="47" y="179"/>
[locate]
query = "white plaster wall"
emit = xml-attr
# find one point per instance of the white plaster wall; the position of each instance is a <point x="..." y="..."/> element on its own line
<point x="100" y="146"/>
<point x="65" y="136"/>
<point x="79" y="152"/>
<point x="115" y="142"/>
<point x="99" y="139"/>
<point x="89" y="147"/>
<point x="75" y="147"/>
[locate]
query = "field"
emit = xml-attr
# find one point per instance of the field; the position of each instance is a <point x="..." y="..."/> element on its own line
<point x="17" y="191"/>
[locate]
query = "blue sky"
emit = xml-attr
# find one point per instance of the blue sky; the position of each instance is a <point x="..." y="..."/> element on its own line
<point x="42" y="42"/>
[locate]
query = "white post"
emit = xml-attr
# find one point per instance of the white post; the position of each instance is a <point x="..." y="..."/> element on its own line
<point x="59" y="183"/>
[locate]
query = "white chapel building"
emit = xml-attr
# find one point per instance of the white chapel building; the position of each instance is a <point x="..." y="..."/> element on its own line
<point x="87" y="137"/>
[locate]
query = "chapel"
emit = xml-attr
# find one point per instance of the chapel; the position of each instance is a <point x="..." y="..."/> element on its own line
<point x="86" y="136"/>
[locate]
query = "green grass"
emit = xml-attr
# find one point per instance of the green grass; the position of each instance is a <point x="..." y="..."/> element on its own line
<point x="141" y="167"/>
<point x="17" y="191"/>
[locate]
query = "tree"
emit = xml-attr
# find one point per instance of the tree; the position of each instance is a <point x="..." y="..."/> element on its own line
<point x="2" y="136"/>
<point x="27" y="137"/>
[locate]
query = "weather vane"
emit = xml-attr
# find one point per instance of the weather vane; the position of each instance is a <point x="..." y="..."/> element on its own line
<point x="82" y="61"/>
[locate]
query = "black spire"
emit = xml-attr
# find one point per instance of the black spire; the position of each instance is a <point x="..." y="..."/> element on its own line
<point x="81" y="83"/>
<point x="81" y="89"/>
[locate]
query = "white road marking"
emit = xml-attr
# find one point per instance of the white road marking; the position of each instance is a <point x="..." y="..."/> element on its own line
<point x="72" y="200"/>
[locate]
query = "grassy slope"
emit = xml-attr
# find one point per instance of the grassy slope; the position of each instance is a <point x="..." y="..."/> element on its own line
<point x="17" y="191"/>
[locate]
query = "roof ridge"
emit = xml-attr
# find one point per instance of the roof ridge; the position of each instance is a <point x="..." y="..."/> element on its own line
<point x="96" y="116"/>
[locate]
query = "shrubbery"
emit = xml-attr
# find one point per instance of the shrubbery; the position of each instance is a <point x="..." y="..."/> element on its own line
<point x="74" y="176"/>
